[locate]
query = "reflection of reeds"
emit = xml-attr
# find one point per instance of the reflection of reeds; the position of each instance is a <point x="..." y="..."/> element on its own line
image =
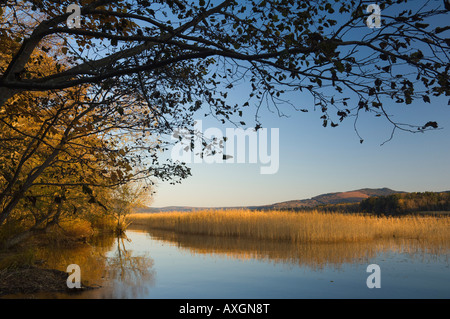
<point x="299" y="227"/>
<point x="312" y="255"/>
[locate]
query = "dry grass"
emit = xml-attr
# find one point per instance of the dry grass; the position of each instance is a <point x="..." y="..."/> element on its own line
<point x="69" y="230"/>
<point x="299" y="227"/>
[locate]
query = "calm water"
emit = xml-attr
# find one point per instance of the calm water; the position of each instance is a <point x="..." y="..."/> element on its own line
<point x="157" y="264"/>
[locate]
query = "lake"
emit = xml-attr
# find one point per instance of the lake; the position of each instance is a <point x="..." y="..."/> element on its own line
<point x="160" y="264"/>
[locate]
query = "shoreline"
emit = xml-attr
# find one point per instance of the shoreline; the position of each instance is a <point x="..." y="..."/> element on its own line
<point x="31" y="279"/>
<point x="28" y="280"/>
<point x="23" y="275"/>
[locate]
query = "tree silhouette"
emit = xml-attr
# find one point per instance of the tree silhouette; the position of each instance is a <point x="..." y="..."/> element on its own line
<point x="275" y="45"/>
<point x="136" y="70"/>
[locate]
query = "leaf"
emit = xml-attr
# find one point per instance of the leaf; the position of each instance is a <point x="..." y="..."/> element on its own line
<point x="430" y="124"/>
<point x="439" y="29"/>
<point x="383" y="45"/>
<point x="421" y="25"/>
<point x="408" y="99"/>
<point x="426" y="98"/>
<point x="339" y="66"/>
<point x="319" y="81"/>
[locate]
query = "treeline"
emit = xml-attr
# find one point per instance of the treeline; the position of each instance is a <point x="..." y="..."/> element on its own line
<point x="405" y="203"/>
<point x="326" y="208"/>
<point x="396" y="204"/>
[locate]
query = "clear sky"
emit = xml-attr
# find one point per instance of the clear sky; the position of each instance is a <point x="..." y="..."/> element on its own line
<point x="315" y="160"/>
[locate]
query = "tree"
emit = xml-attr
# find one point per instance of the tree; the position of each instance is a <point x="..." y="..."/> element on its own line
<point x="136" y="70"/>
<point x="123" y="199"/>
<point x="57" y="148"/>
<point x="281" y="44"/>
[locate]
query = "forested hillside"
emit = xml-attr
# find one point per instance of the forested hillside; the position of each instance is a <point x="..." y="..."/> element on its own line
<point x="407" y="203"/>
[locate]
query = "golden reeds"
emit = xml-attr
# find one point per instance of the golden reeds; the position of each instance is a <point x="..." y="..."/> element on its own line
<point x="297" y="227"/>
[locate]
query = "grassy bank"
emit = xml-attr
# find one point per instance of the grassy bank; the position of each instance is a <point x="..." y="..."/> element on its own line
<point x="298" y="227"/>
<point x="24" y="268"/>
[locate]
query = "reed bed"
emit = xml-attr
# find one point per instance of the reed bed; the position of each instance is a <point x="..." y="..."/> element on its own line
<point x="298" y="227"/>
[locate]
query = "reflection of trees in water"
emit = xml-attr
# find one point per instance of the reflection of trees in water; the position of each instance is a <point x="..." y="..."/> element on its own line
<point x="90" y="257"/>
<point x="313" y="255"/>
<point x="121" y="274"/>
<point x="127" y="270"/>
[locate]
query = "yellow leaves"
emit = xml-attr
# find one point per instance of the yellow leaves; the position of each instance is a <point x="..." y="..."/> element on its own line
<point x="114" y="177"/>
<point x="128" y="167"/>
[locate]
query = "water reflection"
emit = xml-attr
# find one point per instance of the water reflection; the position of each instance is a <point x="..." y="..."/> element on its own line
<point x="314" y="256"/>
<point x="126" y="270"/>
<point x="106" y="263"/>
<point x="152" y="263"/>
<point x="90" y="257"/>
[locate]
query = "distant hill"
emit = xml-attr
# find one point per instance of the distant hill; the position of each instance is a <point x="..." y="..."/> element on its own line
<point x="354" y="196"/>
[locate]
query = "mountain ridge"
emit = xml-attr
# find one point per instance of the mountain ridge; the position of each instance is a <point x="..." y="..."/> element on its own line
<point x="353" y="196"/>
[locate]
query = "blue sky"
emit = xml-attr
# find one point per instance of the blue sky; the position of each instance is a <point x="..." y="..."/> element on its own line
<point x="315" y="160"/>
